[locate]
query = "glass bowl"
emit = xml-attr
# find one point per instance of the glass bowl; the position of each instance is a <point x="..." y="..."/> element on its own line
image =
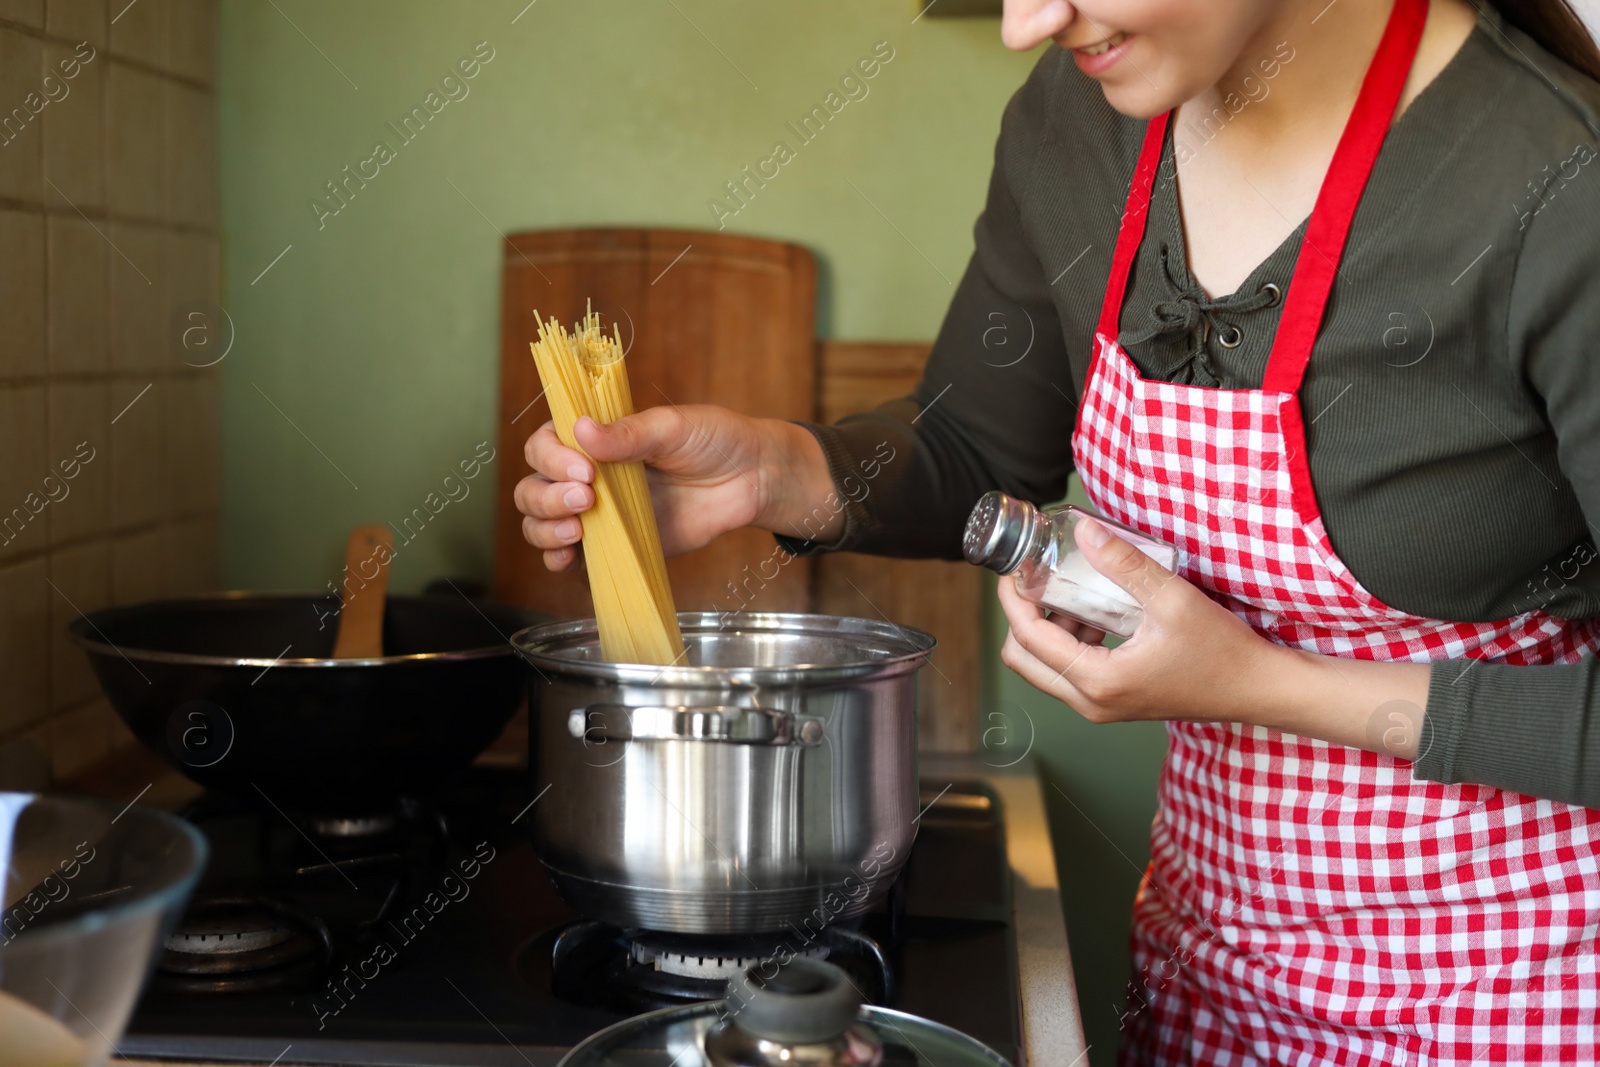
<point x="89" y="896"/>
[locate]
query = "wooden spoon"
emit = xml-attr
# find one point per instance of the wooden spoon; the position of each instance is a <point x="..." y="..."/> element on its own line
<point x="360" y="633"/>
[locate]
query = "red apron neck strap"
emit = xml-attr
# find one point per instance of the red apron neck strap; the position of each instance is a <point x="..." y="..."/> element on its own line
<point x="1131" y="231"/>
<point x="1318" y="262"/>
<point x="1323" y="247"/>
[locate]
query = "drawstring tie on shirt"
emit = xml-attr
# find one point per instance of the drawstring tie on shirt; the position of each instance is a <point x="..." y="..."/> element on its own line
<point x="1188" y="311"/>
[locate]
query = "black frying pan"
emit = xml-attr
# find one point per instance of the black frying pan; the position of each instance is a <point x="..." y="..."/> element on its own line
<point x="239" y="693"/>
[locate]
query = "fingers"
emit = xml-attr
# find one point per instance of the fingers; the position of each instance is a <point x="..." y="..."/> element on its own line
<point x="1047" y="640"/>
<point x="555" y="461"/>
<point x="1049" y="636"/>
<point x="1025" y="613"/>
<point x="1019" y="612"/>
<point x="1055" y="645"/>
<point x="552" y="533"/>
<point x="642" y="437"/>
<point x="551" y="510"/>
<point x="1030" y="627"/>
<point x="539" y="498"/>
<point x="1089" y="635"/>
<point x="1054" y="682"/>
<point x="1133" y="571"/>
<point x="1037" y="673"/>
<point x="553" y="497"/>
<point x="564" y="559"/>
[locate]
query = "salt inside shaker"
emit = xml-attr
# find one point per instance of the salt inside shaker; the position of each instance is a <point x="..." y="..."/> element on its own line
<point x="1008" y="536"/>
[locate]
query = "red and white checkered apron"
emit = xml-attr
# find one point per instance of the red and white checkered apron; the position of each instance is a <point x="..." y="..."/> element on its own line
<point x="1308" y="903"/>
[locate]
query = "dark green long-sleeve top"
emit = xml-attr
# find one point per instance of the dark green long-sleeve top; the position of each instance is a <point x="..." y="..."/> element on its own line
<point x="1453" y="397"/>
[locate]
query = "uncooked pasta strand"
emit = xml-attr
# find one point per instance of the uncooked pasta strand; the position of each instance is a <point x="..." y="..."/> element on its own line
<point x="584" y="374"/>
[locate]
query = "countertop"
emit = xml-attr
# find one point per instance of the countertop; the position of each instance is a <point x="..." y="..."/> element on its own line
<point x="1052" y="1027"/>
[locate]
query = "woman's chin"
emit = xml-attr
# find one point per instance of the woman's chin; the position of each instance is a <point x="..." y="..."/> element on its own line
<point x="1138" y="99"/>
<point x="1141" y="80"/>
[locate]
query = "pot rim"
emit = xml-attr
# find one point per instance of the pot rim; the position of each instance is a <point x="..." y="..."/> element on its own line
<point x="84" y="631"/>
<point x="541" y="644"/>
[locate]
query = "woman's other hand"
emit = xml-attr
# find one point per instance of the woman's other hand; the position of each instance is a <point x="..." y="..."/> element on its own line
<point x="1190" y="658"/>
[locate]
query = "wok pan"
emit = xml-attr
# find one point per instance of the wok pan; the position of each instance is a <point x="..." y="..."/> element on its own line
<point x="238" y="691"/>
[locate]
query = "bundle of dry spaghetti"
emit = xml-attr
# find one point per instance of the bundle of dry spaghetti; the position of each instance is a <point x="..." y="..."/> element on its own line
<point x="584" y="374"/>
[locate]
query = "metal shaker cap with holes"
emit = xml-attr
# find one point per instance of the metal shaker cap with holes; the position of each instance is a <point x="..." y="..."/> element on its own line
<point x="997" y="532"/>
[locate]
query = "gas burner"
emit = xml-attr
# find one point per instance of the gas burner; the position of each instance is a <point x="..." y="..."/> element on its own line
<point x="392" y="826"/>
<point x="710" y="958"/>
<point x="231" y="943"/>
<point x="348" y="828"/>
<point x="399" y="828"/>
<point x="289" y="893"/>
<point x="595" y="965"/>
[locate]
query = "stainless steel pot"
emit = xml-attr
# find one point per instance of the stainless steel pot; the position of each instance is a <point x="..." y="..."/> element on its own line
<point x="766" y="782"/>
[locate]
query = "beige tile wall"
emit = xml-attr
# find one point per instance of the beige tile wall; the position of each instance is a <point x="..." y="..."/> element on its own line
<point x="107" y="234"/>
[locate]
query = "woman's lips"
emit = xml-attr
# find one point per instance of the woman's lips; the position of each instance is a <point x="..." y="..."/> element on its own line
<point x="1101" y="56"/>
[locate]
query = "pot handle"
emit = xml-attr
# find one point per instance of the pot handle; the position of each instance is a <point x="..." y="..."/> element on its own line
<point x="740" y="726"/>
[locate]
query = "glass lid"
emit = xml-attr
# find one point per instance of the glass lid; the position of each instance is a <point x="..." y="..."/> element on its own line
<point x="804" y="1012"/>
<point x="676" y="1037"/>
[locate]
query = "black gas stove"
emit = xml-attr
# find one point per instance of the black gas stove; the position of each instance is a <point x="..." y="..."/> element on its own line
<point x="432" y="936"/>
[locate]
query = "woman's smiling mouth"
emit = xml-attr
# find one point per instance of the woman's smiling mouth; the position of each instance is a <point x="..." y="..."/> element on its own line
<point x="1102" y="47"/>
<point x="1100" y="57"/>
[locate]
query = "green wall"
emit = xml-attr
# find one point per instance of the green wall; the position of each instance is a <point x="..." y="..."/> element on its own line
<point x="364" y="362"/>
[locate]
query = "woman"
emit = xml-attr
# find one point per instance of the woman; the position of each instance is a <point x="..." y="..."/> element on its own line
<point x="1283" y="319"/>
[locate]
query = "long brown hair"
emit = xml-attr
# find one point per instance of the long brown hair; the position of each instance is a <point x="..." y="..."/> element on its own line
<point x="1558" y="28"/>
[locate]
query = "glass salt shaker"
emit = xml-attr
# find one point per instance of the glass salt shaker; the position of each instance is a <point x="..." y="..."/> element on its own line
<point x="1008" y="536"/>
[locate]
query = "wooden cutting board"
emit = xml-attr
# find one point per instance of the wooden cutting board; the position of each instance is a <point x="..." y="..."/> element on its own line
<point x="705" y="318"/>
<point x="942" y="597"/>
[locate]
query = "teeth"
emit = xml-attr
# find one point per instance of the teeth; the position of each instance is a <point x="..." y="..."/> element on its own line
<point x="1104" y="46"/>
